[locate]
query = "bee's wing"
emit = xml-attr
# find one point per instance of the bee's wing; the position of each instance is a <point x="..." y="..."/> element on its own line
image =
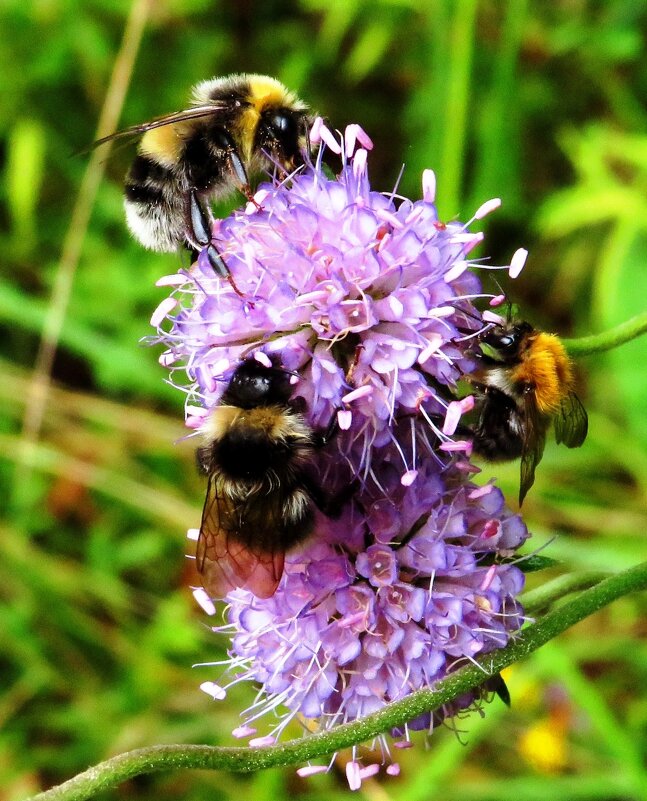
<point x="193" y="113"/>
<point x="534" y="440"/>
<point x="224" y="561"/>
<point x="571" y="422"/>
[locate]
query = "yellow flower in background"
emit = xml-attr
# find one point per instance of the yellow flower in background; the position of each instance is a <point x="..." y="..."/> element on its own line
<point x="544" y="746"/>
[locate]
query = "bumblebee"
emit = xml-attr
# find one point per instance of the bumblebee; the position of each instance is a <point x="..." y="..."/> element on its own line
<point x="261" y="491"/>
<point x="525" y="381"/>
<point x="234" y="126"/>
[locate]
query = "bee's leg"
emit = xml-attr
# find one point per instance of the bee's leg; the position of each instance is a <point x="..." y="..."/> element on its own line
<point x="237" y="167"/>
<point x="239" y="171"/>
<point x="497" y="685"/>
<point x="203" y="459"/>
<point x="320" y="438"/>
<point x="226" y="143"/>
<point x="201" y="225"/>
<point x="331" y="430"/>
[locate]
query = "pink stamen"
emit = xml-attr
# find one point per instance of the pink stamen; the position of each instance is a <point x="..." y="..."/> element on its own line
<point x="359" y="167"/>
<point x="355" y="133"/>
<point x="435" y="341"/>
<point x="263" y="358"/>
<point x="255" y="204"/>
<point x="487" y="207"/>
<point x="328" y="138"/>
<point x="488" y="578"/>
<point x="429" y="186"/>
<point x="455" y="411"/>
<point x="408" y="478"/>
<point x="344" y="419"/>
<point x="242" y="732"/>
<point x="204" y="601"/>
<point x="491" y="317"/>
<point x="311" y="770"/>
<point x="214" y="690"/>
<point x="315" y="130"/>
<point x="368" y="771"/>
<point x="177" y="279"/>
<point x="517" y="262"/>
<point x="442" y="311"/>
<point x="262" y="742"/>
<point x="166" y="306"/>
<point x="389" y="217"/>
<point x="360" y="392"/>
<point x="459" y="445"/>
<point x="480" y="492"/>
<point x="456" y="270"/>
<point x="353" y="775"/>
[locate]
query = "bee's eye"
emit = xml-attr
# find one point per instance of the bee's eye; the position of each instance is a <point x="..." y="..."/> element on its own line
<point x="506" y="341"/>
<point x="281" y="123"/>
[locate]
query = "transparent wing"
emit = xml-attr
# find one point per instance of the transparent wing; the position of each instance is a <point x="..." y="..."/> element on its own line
<point x="571" y="422"/>
<point x="534" y="441"/>
<point x="225" y="560"/>
<point x="194" y="113"/>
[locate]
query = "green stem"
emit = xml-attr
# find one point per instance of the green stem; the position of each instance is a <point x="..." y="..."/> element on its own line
<point x="165" y="757"/>
<point x="625" y="332"/>
<point x="543" y="597"/>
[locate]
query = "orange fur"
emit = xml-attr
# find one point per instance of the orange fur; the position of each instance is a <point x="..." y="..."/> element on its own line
<point x="546" y="367"/>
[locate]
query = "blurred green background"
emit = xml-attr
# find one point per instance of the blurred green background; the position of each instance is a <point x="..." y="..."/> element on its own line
<point x="539" y="103"/>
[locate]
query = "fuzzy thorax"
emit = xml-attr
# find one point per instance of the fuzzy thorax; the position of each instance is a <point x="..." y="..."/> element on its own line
<point x="546" y="368"/>
<point x="277" y="423"/>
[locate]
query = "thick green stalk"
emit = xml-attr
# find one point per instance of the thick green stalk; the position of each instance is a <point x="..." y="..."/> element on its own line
<point x="542" y="597"/>
<point x="167" y="757"/>
<point x="625" y="332"/>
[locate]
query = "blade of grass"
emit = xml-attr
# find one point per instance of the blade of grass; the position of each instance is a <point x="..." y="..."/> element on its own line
<point x="619" y="741"/>
<point x="39" y="387"/>
<point x="453" y="141"/>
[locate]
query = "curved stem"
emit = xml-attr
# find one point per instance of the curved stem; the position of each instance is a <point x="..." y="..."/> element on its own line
<point x="625" y="332"/>
<point x="166" y="757"/>
<point x="542" y="597"/>
<point x="39" y="388"/>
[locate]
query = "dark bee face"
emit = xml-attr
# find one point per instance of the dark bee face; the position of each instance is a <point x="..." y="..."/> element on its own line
<point x="253" y="384"/>
<point x="504" y="343"/>
<point x="281" y="132"/>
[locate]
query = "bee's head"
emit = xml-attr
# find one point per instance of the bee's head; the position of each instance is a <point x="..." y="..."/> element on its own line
<point x="283" y="134"/>
<point x="504" y="342"/>
<point x="254" y="384"/>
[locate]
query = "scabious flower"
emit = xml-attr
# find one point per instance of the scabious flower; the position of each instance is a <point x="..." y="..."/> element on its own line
<point x="367" y="297"/>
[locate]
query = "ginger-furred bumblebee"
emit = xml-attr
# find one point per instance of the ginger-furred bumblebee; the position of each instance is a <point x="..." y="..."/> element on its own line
<point x="233" y="126"/>
<point x="524" y="381"/>
<point x="259" y="456"/>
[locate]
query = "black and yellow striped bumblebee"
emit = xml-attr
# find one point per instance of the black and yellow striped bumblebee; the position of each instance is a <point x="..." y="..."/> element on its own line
<point x="233" y="127"/>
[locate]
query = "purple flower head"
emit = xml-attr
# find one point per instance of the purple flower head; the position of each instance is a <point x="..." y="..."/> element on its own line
<point x="367" y="297"/>
<point x="354" y="626"/>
